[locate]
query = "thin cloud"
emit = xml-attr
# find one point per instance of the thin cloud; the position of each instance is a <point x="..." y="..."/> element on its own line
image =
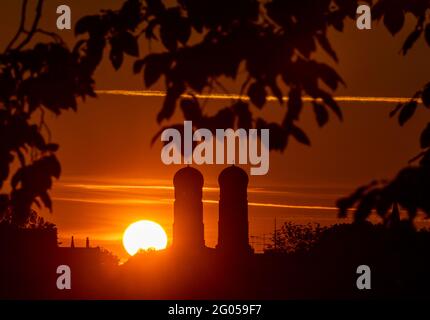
<point x="123" y="187"/>
<point x="114" y="186"/>
<point x="137" y="187"/>
<point x="113" y="201"/>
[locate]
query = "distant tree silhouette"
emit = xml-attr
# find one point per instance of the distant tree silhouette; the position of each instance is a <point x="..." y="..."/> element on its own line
<point x="292" y="237"/>
<point x="270" y="43"/>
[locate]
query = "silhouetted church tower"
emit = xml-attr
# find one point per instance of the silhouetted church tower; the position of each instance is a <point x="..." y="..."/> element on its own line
<point x="188" y="228"/>
<point x="233" y="212"/>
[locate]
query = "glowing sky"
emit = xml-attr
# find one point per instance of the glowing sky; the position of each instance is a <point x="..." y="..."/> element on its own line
<point x="113" y="177"/>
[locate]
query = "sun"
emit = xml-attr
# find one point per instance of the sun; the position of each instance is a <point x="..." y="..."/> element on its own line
<point x="144" y="235"/>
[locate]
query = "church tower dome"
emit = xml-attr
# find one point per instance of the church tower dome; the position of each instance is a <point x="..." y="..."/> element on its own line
<point x="233" y="176"/>
<point x="188" y="176"/>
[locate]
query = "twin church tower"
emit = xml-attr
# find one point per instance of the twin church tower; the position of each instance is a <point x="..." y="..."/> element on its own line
<point x="188" y="227"/>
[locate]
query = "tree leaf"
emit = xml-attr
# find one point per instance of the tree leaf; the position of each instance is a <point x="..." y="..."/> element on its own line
<point x="278" y="135"/>
<point x="407" y="112"/>
<point x="155" y="7"/>
<point x="332" y="104"/>
<point x="257" y="93"/>
<point x="46" y="199"/>
<point x="299" y="135"/>
<point x="427" y="34"/>
<point x="325" y="44"/>
<point x="426" y="95"/>
<point x="116" y="54"/>
<point x="155" y="66"/>
<point x="411" y="39"/>
<point x="395" y="110"/>
<point x="172" y="95"/>
<point x="87" y="24"/>
<point x="276" y="91"/>
<point x="244" y="116"/>
<point x="425" y="137"/>
<point x="321" y="113"/>
<point x="116" y="58"/>
<point x="183" y="31"/>
<point x="394" y="19"/>
<point x="295" y="104"/>
<point x="53" y="147"/>
<point x="129" y="44"/>
<point x="17" y="177"/>
<point x="191" y="110"/>
<point x="330" y="77"/>
<point x="50" y="165"/>
<point x="138" y="65"/>
<point x="168" y="38"/>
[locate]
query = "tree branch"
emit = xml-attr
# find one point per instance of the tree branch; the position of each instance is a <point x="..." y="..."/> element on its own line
<point x="34" y="26"/>
<point x="21" y="25"/>
<point x="53" y="35"/>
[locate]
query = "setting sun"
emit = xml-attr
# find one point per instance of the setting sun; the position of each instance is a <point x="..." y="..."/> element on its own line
<point x="144" y="235"/>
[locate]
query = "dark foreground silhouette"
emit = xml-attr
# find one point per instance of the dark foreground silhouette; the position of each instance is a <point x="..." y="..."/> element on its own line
<point x="397" y="256"/>
<point x="302" y="263"/>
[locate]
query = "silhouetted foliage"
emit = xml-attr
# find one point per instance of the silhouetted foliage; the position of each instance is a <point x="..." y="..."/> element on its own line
<point x="46" y="77"/>
<point x="294" y="237"/>
<point x="411" y="187"/>
<point x="273" y="42"/>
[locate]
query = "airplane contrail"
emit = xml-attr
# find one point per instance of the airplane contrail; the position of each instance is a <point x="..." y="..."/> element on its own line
<point x="220" y="96"/>
<point x="280" y="205"/>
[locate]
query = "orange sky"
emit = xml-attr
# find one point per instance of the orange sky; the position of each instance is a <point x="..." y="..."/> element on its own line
<point x="112" y="177"/>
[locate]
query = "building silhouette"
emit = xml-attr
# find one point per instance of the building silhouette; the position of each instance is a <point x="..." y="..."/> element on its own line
<point x="233" y="212"/>
<point x="188" y="228"/>
<point x="30" y="257"/>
